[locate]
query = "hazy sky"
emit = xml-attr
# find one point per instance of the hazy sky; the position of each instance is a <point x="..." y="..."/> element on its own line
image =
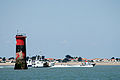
<point x="55" y="28"/>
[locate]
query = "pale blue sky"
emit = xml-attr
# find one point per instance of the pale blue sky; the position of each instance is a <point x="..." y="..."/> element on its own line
<point x="86" y="28"/>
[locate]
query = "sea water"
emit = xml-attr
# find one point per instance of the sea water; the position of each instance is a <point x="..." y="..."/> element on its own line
<point x="95" y="73"/>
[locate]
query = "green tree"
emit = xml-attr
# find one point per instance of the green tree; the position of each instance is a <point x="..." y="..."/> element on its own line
<point x="4" y="59"/>
<point x="113" y="58"/>
<point x="80" y="59"/>
<point x="65" y="60"/>
<point x="27" y="58"/>
<point x="11" y="58"/>
<point x="68" y="56"/>
<point x="33" y="57"/>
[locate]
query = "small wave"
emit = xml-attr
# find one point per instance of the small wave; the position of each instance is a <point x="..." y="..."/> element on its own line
<point x="1" y="67"/>
<point x="6" y="66"/>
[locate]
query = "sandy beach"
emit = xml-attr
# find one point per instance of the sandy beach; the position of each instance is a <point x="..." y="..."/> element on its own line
<point x="108" y="63"/>
<point x="7" y="64"/>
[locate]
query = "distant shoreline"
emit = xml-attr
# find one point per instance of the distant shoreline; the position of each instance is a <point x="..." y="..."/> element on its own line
<point x="72" y="63"/>
<point x="108" y="63"/>
<point x="7" y="64"/>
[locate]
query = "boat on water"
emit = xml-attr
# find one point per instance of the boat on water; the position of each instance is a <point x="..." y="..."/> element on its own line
<point x="73" y="66"/>
<point x="29" y="63"/>
<point x="68" y="65"/>
<point x="39" y="63"/>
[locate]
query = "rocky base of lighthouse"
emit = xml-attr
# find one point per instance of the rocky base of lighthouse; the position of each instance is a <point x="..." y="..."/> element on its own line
<point x="21" y="64"/>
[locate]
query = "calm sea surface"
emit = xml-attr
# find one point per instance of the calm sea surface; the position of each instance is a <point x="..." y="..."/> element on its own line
<point x="95" y="73"/>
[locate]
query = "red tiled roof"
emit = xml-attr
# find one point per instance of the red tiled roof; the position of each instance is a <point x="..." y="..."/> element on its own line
<point x="49" y="58"/>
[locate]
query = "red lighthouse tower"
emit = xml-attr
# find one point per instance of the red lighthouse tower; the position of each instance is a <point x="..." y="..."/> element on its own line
<point x="20" y="52"/>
